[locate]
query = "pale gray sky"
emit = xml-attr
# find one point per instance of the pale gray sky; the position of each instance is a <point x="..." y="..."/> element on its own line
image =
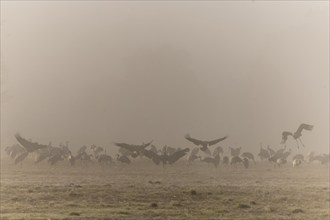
<point x="106" y="71"/>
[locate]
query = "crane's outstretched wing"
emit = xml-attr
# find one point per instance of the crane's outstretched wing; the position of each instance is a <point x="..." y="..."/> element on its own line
<point x="193" y="140"/>
<point x="217" y="140"/>
<point x="148" y="153"/>
<point x="42" y="156"/>
<point x="129" y="147"/>
<point x="285" y="135"/>
<point x="146" y="145"/>
<point x="152" y="155"/>
<point x="177" y="155"/>
<point x="29" y="146"/>
<point x="126" y="146"/>
<point x="304" y="126"/>
<point x="132" y="147"/>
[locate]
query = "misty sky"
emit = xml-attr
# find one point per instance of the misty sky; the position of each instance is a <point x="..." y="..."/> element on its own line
<point x="109" y="71"/>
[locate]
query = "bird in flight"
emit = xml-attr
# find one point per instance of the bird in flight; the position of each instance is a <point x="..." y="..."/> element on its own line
<point x="165" y="158"/>
<point x="296" y="135"/>
<point x="28" y="145"/>
<point x="136" y="149"/>
<point x="204" y="144"/>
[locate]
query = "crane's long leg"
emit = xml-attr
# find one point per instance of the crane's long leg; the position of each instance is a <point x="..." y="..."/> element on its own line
<point x="297" y="143"/>
<point x="301" y="142"/>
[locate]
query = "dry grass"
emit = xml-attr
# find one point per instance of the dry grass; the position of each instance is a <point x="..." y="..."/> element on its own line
<point x="146" y="191"/>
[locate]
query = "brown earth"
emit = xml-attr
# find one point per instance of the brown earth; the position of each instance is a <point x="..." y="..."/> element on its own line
<point x="143" y="190"/>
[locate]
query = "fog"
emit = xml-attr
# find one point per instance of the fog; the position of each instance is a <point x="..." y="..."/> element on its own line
<point x="109" y="71"/>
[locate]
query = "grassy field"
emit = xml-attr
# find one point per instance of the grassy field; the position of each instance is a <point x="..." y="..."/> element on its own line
<point x="143" y="190"/>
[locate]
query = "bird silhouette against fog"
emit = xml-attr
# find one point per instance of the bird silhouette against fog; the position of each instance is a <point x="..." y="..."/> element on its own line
<point x="29" y="147"/>
<point x="204" y="144"/>
<point x="135" y="149"/>
<point x="165" y="157"/>
<point x="296" y="135"/>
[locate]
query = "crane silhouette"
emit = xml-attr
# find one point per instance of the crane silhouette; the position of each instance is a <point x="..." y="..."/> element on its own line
<point x="296" y="135"/>
<point x="204" y="144"/>
<point x="28" y="146"/>
<point x="134" y="149"/>
<point x="165" y="158"/>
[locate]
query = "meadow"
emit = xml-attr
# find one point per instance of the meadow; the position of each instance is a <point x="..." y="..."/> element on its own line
<point x="143" y="190"/>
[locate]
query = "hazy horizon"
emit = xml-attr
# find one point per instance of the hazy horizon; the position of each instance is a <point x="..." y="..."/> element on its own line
<point x="109" y="71"/>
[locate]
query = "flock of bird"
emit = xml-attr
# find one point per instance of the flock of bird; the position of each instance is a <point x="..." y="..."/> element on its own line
<point x="165" y="155"/>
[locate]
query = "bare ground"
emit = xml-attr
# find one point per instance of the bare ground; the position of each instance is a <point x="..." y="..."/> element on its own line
<point x="143" y="190"/>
